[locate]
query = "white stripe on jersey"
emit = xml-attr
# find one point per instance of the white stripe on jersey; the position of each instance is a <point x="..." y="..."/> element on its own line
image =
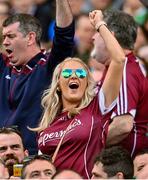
<point x="122" y="103"/>
<point x="103" y="109"/>
<point x="85" y="153"/>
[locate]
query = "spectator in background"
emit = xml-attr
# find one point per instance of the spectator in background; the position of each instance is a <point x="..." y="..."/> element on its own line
<point x="145" y="3"/>
<point x="83" y="37"/>
<point x="141" y="40"/>
<point x="22" y="6"/>
<point x="5" y="11"/>
<point x="96" y="68"/>
<point x="12" y="149"/>
<point x="44" y="10"/>
<point x="141" y="45"/>
<point x="101" y="4"/>
<point x="38" y="167"/>
<point x="76" y="7"/>
<point x="141" y="165"/>
<point x="27" y="70"/>
<point x="113" y="163"/>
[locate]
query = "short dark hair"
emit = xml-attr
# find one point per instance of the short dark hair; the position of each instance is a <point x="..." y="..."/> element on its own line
<point x="144" y="151"/>
<point x="124" y="27"/>
<point x="116" y="159"/>
<point x="27" y="22"/>
<point x="30" y="159"/>
<point x="10" y="130"/>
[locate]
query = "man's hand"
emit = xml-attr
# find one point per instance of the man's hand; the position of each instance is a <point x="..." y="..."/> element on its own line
<point x="3" y="172"/>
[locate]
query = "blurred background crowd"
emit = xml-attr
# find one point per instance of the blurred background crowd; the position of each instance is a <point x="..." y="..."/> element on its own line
<point x="44" y="10"/>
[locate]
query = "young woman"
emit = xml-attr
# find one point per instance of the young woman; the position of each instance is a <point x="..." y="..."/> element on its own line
<point x="73" y="108"/>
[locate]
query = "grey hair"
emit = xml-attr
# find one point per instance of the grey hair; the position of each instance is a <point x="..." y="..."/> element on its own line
<point x="27" y="24"/>
<point x="124" y="27"/>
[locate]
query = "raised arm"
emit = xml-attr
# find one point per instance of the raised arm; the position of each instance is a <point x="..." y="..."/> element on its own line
<point x="64" y="30"/>
<point x="64" y="15"/>
<point x="111" y="84"/>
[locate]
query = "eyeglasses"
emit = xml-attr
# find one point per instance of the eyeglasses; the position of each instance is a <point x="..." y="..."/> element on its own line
<point x="80" y="73"/>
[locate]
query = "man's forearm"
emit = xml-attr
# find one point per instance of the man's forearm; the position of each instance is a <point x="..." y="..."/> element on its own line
<point x="64" y="15"/>
<point x="114" y="136"/>
<point x="119" y="129"/>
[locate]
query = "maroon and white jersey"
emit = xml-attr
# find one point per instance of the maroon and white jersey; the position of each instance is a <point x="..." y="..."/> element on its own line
<point x="82" y="142"/>
<point x="133" y="99"/>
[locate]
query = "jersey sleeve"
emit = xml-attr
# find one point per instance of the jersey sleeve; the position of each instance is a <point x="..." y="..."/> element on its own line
<point x="104" y="110"/>
<point x="130" y="90"/>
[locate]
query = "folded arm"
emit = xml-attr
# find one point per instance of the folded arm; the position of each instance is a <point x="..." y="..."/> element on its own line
<point x="119" y="129"/>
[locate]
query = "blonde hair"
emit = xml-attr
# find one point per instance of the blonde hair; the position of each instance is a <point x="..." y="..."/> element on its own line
<point x="52" y="102"/>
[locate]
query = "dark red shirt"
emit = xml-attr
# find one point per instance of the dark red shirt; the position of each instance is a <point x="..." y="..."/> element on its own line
<point x="81" y="143"/>
<point x="133" y="100"/>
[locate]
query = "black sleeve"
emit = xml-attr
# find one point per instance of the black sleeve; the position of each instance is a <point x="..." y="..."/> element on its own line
<point x="63" y="45"/>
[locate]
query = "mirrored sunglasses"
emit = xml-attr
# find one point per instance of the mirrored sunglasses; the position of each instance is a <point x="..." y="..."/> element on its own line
<point x="80" y="73"/>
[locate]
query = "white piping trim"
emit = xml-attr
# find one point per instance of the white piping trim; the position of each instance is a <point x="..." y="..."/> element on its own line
<point x="85" y="153"/>
<point x="105" y="110"/>
<point x="122" y="102"/>
<point x="125" y="87"/>
<point x="42" y="59"/>
<point x="118" y="105"/>
<point x="104" y="129"/>
<point x="121" y="99"/>
<point x="28" y="67"/>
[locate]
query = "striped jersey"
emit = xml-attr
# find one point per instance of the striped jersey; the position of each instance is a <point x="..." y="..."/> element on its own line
<point x="133" y="100"/>
<point x="83" y="140"/>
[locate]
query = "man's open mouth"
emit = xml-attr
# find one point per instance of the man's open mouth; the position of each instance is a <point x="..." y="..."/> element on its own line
<point x="9" y="51"/>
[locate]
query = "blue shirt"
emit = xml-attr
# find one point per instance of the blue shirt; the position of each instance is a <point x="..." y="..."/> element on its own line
<point x="21" y="90"/>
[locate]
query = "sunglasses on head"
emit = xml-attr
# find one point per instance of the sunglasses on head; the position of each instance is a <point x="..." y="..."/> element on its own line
<point x="10" y="129"/>
<point x="80" y="73"/>
<point x="34" y="157"/>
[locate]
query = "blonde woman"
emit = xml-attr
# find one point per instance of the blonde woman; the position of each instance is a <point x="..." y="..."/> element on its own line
<point x="73" y="108"/>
